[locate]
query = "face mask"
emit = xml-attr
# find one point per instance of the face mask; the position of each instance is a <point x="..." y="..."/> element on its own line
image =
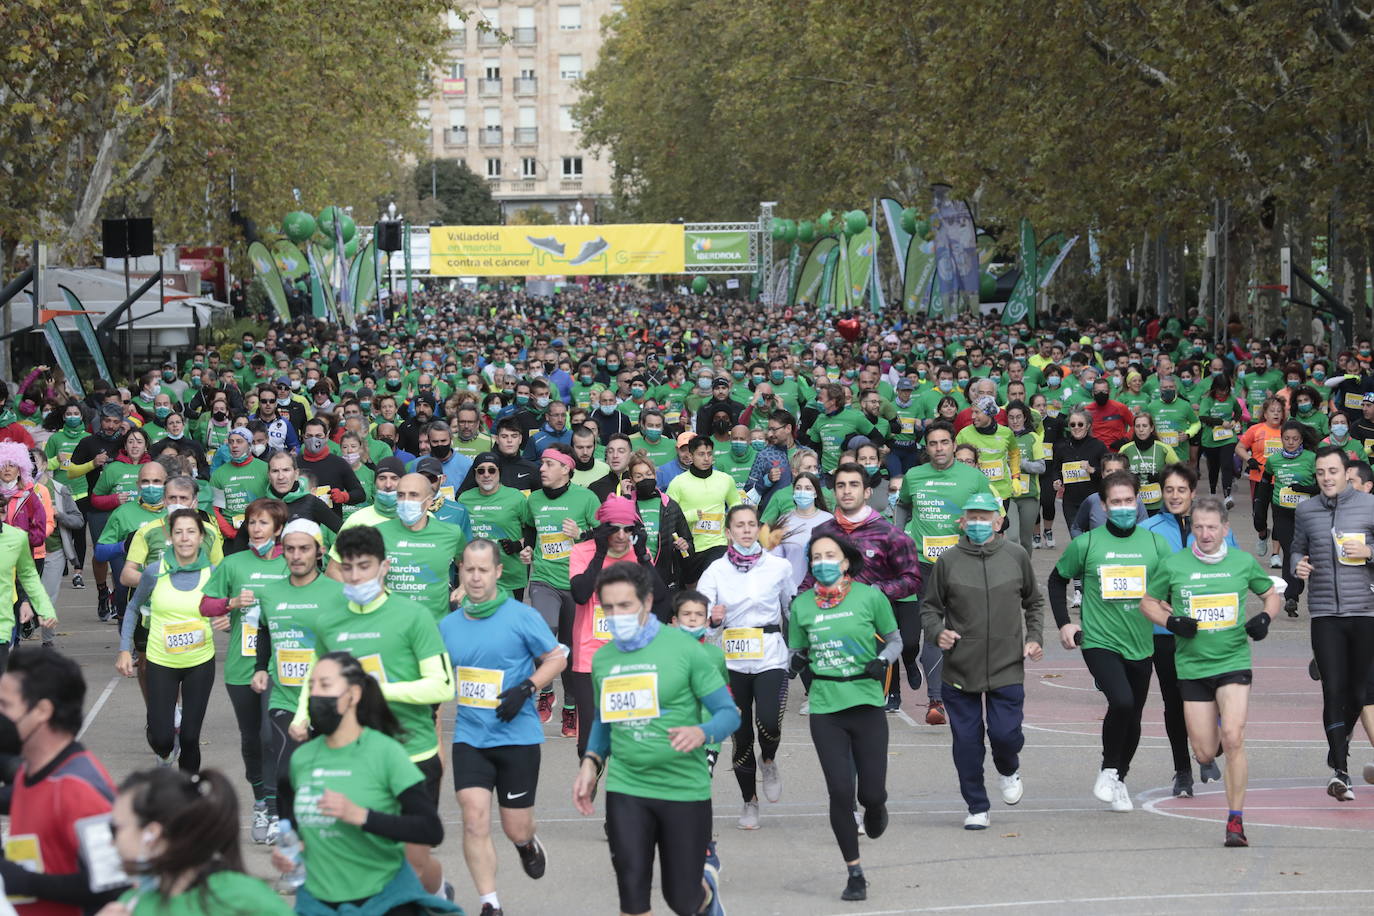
<point x="720" y="427"/>
<point x="652" y="435"/>
<point x="803" y="500"/>
<point x="541" y="403"/>
<point x="364" y="592"/>
<point x="162" y="413"/>
<point x="1188" y="382"/>
<point x="365" y="405"/>
<point x="410" y="511"/>
<point x="259" y="448"/>
<point x="442" y="452"/>
<point x="325" y="717"/>
<point x="739" y="449"/>
<point x="892" y="498"/>
<point x="72" y="423"/>
<point x="777" y="375"/>
<point x="752" y="550"/>
<point x="1051" y="412"/>
<point x="10" y="742"/>
<point x="385" y="500"/>
<point x="826" y="572"/>
<point x="694" y="632"/>
<point x="613" y="368"/>
<point x="586" y="380"/>
<point x="151" y="493"/>
<point x="393" y="383"/>
<point x="606" y="409"/>
<point x="704" y="384"/>
<point x="522" y="399"/>
<point x="494" y="410"/>
<point x="978" y="532"/>
<point x="353" y="459"/>
<point x="1054" y="381"/>
<point x="314" y="443"/>
<point x="623" y="627"/>
<point x="1304" y="407"/>
<point x="1339" y="430"/>
<point x="757" y="444"/>
<point x="1122" y="516"/>
<point x="646" y="489"/>
<point x="1318" y="375"/>
<point x="870" y="469"/>
<point x="946" y="385"/>
<point x="1101" y="398"/>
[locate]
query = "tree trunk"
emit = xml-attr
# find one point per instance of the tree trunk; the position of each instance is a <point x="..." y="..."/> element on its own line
<point x="1113" y="292"/>
<point x="1143" y="291"/>
<point x="7" y="252"/>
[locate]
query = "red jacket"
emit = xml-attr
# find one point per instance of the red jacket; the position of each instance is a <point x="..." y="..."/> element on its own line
<point x="1111" y="422"/>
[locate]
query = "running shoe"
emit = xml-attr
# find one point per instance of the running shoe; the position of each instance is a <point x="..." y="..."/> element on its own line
<point x="1339" y="786"/>
<point x="1312" y="671"/>
<point x="856" y="889"/>
<point x="1275" y="561"/>
<point x="261" y="823"/>
<point x="1208" y="772"/>
<point x="548" y="243"/>
<point x="569" y="721"/>
<point x="1230" y="502"/>
<point x="1049" y="539"/>
<point x="1037" y="542"/>
<point x="1262" y="543"/>
<point x="590" y="250"/>
<point x="894" y="702"/>
<point x="545" y="706"/>
<point x="1290" y="607"/>
<point x="1235" y="832"/>
<point x="859" y="822"/>
<point x="913" y="676"/>
<point x="935" y="715"/>
<point x="772" y="780"/>
<point x="489" y="909"/>
<point x="1102" y="788"/>
<point x="273" y="830"/>
<point x="77" y="581"/>
<point x="104" y="608"/>
<point x="749" y="816"/>
<point x="1012" y="789"/>
<point x="1369" y="773"/>
<point x="1121" y="797"/>
<point x="711" y="875"/>
<point x="448" y="891"/>
<point x="976" y="821"/>
<point x="875" y="821"/>
<point x="533" y="858"/>
<point x="1183" y="784"/>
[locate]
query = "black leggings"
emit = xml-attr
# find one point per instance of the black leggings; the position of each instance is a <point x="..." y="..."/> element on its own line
<point x="1342" y="647"/>
<point x="679" y="830"/>
<point x="580" y="683"/>
<point x="849" y="741"/>
<point x="1174" y="725"/>
<point x="1047" y="502"/>
<point x="765" y="694"/>
<point x="1126" y="685"/>
<point x="250" y="709"/>
<point x="78" y="560"/>
<point x="1220" y="458"/>
<point x="280" y="746"/>
<point x="1261" y="495"/>
<point x="1283" y="533"/>
<point x="194" y="685"/>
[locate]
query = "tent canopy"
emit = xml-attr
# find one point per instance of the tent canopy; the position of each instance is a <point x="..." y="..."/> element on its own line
<point x="101" y="292"/>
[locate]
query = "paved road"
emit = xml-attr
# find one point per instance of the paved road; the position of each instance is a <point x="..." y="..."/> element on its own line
<point x="1059" y="850"/>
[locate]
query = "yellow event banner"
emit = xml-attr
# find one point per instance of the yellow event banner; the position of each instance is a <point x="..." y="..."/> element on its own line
<point x="520" y="251"/>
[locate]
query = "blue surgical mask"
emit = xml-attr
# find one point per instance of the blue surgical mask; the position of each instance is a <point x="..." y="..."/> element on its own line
<point x="409" y="511"/>
<point x="694" y="632"/>
<point x="978" y="532"/>
<point x="752" y="550"/>
<point x="623" y="627"/>
<point x="892" y="497"/>
<point x="826" y="572"/>
<point x="1339" y="430"/>
<point x="606" y="409"/>
<point x="704" y="384"/>
<point x="946" y="385"/>
<point x="364" y="592"/>
<point x="1054" y="381"/>
<point x="385" y="500"/>
<point x="151" y="494"/>
<point x="1122" y="516"/>
<point x="803" y="499"/>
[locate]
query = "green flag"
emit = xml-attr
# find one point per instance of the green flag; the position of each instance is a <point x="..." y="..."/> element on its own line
<point x="87" y="332"/>
<point x="64" y="358"/>
<point x="266" y="267"/>
<point x="812" y="273"/>
<point x="920" y="271"/>
<point x="1021" y="305"/>
<point x="862" y="248"/>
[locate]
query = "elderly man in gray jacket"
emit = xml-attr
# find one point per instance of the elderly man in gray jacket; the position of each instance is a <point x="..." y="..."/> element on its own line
<point x="984" y="608"/>
<point x="1332" y="538"/>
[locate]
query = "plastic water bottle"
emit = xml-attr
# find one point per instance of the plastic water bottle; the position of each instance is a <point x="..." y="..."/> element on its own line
<point x="289" y="845"/>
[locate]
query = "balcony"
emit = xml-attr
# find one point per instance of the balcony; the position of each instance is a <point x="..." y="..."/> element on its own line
<point x="489" y="39"/>
<point x="489" y="88"/>
<point x="490" y="136"/>
<point x="570" y="184"/>
<point x="524" y="35"/>
<point x="458" y="37"/>
<point x="526" y="136"/>
<point x="454" y="87"/>
<point x="525" y="186"/>
<point x="526" y="85"/>
<point x="494" y="184"/>
<point x="456" y="136"/>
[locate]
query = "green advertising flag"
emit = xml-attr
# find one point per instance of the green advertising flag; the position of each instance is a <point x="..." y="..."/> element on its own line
<point x="919" y="272"/>
<point x="717" y="248"/>
<point x="829" y="283"/>
<point x="86" y="329"/>
<point x="1021" y="305"/>
<point x="290" y="261"/>
<point x="369" y="263"/>
<point x="813" y="273"/>
<point x="64" y="358"/>
<point x="266" y="267"/>
<point x="862" y="248"/>
<point x="900" y="238"/>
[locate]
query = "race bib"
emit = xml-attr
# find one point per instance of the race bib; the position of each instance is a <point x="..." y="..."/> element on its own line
<point x="1122" y="583"/>
<point x="1289" y="498"/>
<point x="1341" y="541"/>
<point x="478" y="688"/>
<point x="1214" y="612"/>
<point x="629" y="697"/>
<point x="1049" y="450"/>
<point x="292" y="664"/>
<point x="447" y="493"/>
<point x="1019" y="486"/>
<point x="249" y="641"/>
<point x="23" y="850"/>
<point x="183" y="637"/>
<point x="322" y="493"/>
<point x="743" y="643"/>
<point x="599" y="628"/>
<point x="555" y="546"/>
<point x="1354" y="400"/>
<point x="1274" y="446"/>
<point x="908" y="425"/>
<point x="932" y="547"/>
<point x="709" y="523"/>
<point x="1151" y="493"/>
<point x="1222" y="434"/>
<point x="1169" y="437"/>
<point x="993" y="469"/>
<point x="1075" y="472"/>
<point x="372" y="664"/>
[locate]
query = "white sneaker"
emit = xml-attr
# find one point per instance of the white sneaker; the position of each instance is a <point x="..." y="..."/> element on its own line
<point x="1121" y="797"/>
<point x="1076" y="599"/>
<point x="1049" y="539"/>
<point x="749" y="816"/>
<point x="1011" y="788"/>
<point x="1230" y="502"/>
<point x="273" y="830"/>
<point x="261" y="823"/>
<point x="805" y="708"/>
<point x="1102" y="789"/>
<point x="977" y="821"/>
<point x="772" y="782"/>
<point x="1275" y="561"/>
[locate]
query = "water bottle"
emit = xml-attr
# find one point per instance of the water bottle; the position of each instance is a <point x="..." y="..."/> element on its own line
<point x="289" y="845"/>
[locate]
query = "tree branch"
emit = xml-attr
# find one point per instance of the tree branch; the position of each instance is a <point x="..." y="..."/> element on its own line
<point x="1150" y="74"/>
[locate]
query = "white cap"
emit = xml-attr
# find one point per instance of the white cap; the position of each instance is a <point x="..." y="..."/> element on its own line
<point x="303" y="526"/>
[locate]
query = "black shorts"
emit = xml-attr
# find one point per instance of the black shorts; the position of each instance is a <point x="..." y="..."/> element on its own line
<point x="1204" y="689"/>
<point x="433" y="770"/>
<point x="512" y="770"/>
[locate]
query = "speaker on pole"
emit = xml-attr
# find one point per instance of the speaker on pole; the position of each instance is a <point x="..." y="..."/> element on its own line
<point x="389" y="235"/>
<point x="140" y="238"/>
<point x="126" y="238"/>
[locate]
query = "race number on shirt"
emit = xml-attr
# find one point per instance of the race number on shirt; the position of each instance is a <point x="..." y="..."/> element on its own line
<point x="479" y="687"/>
<point x="709" y="523"/>
<point x="932" y="546"/>
<point x="1151" y="493"/>
<point x="743" y="643"/>
<point x="1075" y="472"/>
<point x="599" y="628"/>
<point x="183" y="637"/>
<point x="1289" y="498"/>
<point x="1214" y="612"/>
<point x="555" y="546"/>
<point x="292" y="664"/>
<point x="1121" y="583"/>
<point x="993" y="469"/>
<point x="629" y="697"/>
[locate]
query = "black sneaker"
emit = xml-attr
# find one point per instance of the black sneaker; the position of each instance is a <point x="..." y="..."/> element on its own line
<point x="1339" y="786"/>
<point x="1290" y="607"/>
<point x="532" y="858"/>
<point x="856" y="889"/>
<point x="1208" y="772"/>
<point x="78" y="582"/>
<point x="875" y="821"/>
<point x="913" y="676"/>
<point x="1183" y="784"/>
<point x="104" y="607"/>
<point x="1312" y="671"/>
<point x="489" y="910"/>
<point x="894" y="702"/>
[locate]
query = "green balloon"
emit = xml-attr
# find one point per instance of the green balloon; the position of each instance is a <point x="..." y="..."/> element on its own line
<point x="987" y="286"/>
<point x="806" y="231"/>
<point x="299" y="226"/>
<point x="789" y="233"/>
<point x="921" y="229"/>
<point x="826" y="222"/>
<point x="909" y="219"/>
<point x="348" y="228"/>
<point x="778" y="228"/>
<point x="699" y="285"/>
<point x="855" y="221"/>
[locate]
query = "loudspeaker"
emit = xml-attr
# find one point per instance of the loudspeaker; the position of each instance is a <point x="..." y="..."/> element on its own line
<point x="389" y="235"/>
<point x="126" y="238"/>
<point x="140" y="238"/>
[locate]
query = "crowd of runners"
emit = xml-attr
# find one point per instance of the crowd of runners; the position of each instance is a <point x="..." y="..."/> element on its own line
<point x="637" y="521"/>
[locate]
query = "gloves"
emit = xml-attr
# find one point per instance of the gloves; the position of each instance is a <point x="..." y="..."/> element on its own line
<point x="1258" y="627"/>
<point x="1078" y="638"/>
<point x="513" y="699"/>
<point x="1181" y="626"/>
<point x="876" y="669"/>
<point x="800" y="662"/>
<point x="1252" y="465"/>
<point x="510" y="546"/>
<point x="338" y="497"/>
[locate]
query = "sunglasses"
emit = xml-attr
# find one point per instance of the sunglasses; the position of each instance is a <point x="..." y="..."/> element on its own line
<point x="487" y="470"/>
<point x="622" y="529"/>
<point x="1078" y="425"/>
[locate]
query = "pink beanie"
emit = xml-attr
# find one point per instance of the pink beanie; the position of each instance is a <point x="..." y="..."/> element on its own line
<point x="617" y="510"/>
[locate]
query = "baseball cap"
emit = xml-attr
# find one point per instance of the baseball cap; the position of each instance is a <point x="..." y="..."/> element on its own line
<point x="984" y="502"/>
<point x="905" y="384"/>
<point x="684" y="438"/>
<point x="429" y="466"/>
<point x="721" y="381"/>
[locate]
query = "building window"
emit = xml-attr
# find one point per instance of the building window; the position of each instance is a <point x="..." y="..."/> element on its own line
<point x="458" y="117"/>
<point x="565" y="118"/>
<point x="424" y="114"/>
<point x="529" y="167"/>
<point x="454" y="69"/>
<point x="570" y="66"/>
<point x="491" y="69"/>
<point x="569" y="18"/>
<point x="491" y="118"/>
<point x="492" y="16"/>
<point x="493" y="168"/>
<point x="527" y="73"/>
<point x="524" y="17"/>
<point x="572" y="166"/>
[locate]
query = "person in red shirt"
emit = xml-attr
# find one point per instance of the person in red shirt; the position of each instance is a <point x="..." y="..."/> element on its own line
<point x="1112" y="420"/>
<point x="976" y="389"/>
<point x="59" y="805"/>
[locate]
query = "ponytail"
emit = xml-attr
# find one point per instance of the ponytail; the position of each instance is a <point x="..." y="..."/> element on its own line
<point x="373" y="710"/>
<point x="199" y="815"/>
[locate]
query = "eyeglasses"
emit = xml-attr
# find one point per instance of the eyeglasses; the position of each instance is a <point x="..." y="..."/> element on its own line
<point x="621" y="529"/>
<point x="267" y="400"/>
<point x="1078" y="426"/>
<point x="487" y="470"/>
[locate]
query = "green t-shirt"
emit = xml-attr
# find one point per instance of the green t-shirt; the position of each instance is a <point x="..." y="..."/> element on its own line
<point x="781" y="503"/>
<point x="738" y="467"/>
<point x="1227" y="411"/>
<point x="127" y="519"/>
<point x="651" y="513"/>
<point x="927" y="402"/>
<point x="59" y="448"/>
<point x="642" y="694"/>
<point x="1260" y="387"/>
<point x="240" y="485"/>
<point x="553" y="548"/>
<point x="1213" y="595"/>
<point x="1173" y="421"/>
<point x="1291" y="472"/>
<point x="470" y="447"/>
<point x="832" y="431"/>
<point x="660" y="452"/>
<point x="368" y="478"/>
<point x="121" y="477"/>
<point x="230" y="893"/>
<point x="1316" y="420"/>
<point x="422" y="561"/>
<point x="937" y="502"/>
<point x="995" y="449"/>
<point x="704" y="502"/>
<point x="501" y="516"/>
<point x="842" y="640"/>
<point x="1116" y="573"/>
<point x="343" y="862"/>
<point x="241" y="570"/>
<point x="291" y="614"/>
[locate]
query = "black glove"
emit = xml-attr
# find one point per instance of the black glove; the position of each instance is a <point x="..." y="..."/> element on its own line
<point x="800" y="662"/>
<point x="876" y="669"/>
<point x="1252" y="465"/>
<point x="1181" y="626"/>
<point x="513" y="699"/>
<point x="1258" y="627"/>
<point x="510" y="546"/>
<point x="1078" y="638"/>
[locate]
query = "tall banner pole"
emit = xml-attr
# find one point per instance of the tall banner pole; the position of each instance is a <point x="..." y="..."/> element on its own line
<point x="405" y="244"/>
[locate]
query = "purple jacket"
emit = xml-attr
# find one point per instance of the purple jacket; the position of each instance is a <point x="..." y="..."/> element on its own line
<point x="890" y="559"/>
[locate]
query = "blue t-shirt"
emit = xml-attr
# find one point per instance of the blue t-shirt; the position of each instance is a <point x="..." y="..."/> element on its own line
<point x="491" y="655"/>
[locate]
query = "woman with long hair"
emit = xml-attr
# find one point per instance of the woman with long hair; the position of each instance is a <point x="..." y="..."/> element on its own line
<point x="1148" y="457"/>
<point x="1292" y="474"/>
<point x="791" y="533"/>
<point x="1222" y="416"/>
<point x="1256" y="445"/>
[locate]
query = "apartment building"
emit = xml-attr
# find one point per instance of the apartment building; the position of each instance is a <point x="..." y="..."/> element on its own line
<point x="505" y="105"/>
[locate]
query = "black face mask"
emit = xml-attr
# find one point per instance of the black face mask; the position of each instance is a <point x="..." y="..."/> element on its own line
<point x="325" y="717"/>
<point x="1100" y="398"/>
<point x="720" y="427"/>
<point x="220" y="416"/>
<point x="1168" y="395"/>
<point x="442" y="452"/>
<point x="390" y="443"/>
<point x="646" y="488"/>
<point x="10" y="742"/>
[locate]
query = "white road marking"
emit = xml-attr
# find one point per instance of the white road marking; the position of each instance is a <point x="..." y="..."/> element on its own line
<point x="100" y="702"/>
<point x="1140" y="898"/>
